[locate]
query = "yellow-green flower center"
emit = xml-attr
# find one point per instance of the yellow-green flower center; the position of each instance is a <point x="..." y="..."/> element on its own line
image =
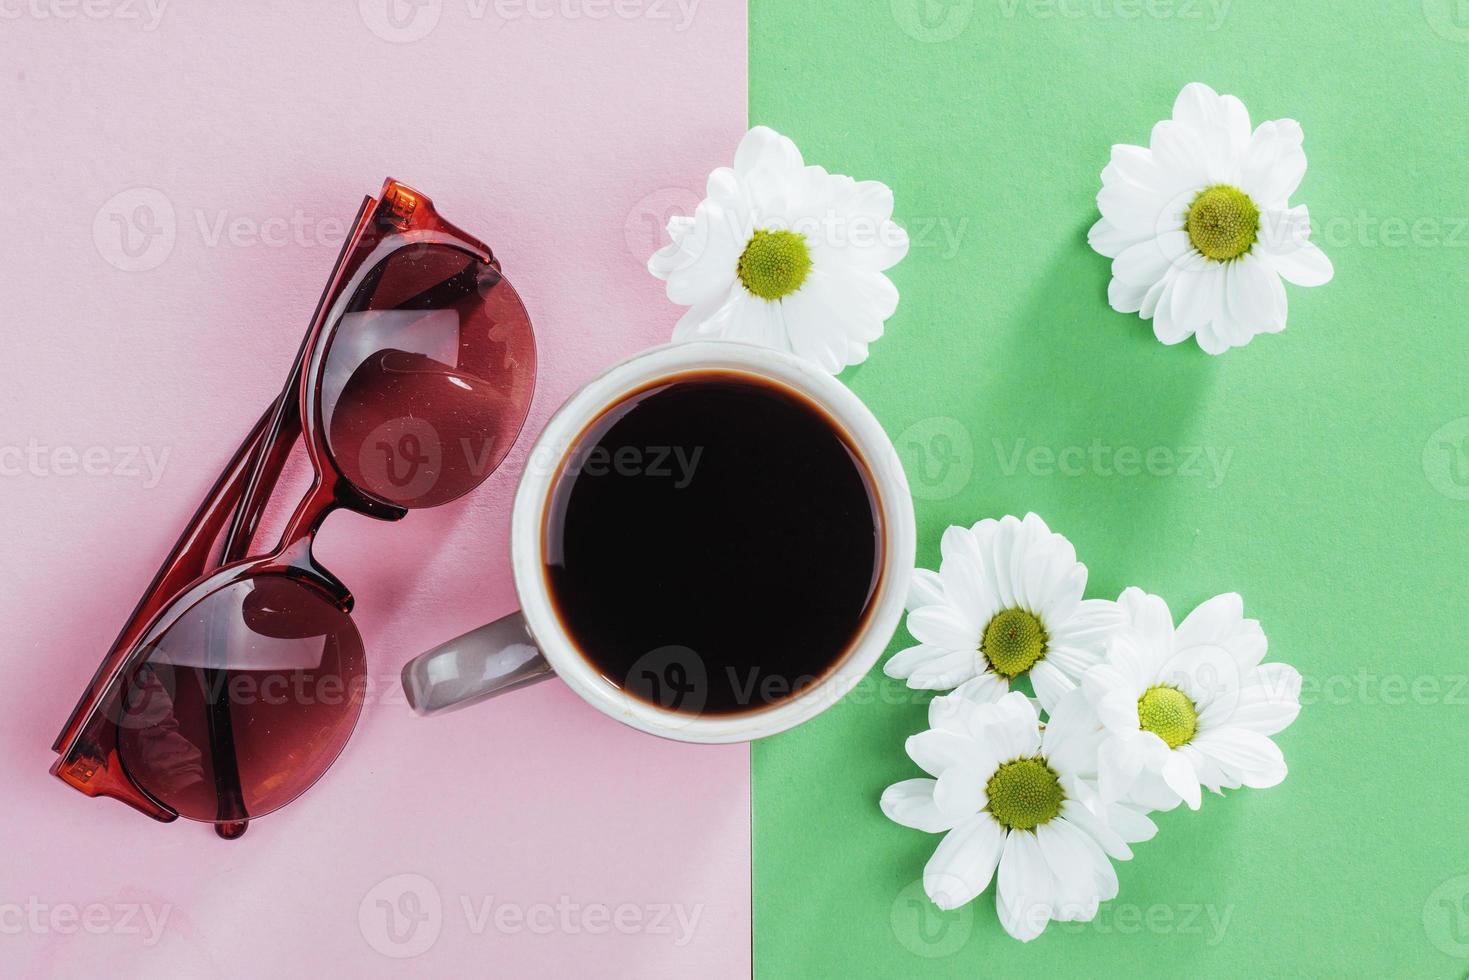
<point x="1024" y="794"/>
<point x="1223" y="222"/>
<point x="774" y="263"/>
<point x="1169" y="714"/>
<point x="1013" y="641"/>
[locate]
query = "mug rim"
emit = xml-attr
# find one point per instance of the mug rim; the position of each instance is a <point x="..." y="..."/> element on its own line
<point x="544" y="463"/>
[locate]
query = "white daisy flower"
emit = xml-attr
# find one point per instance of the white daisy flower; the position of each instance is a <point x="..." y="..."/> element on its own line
<point x="1005" y="795"/>
<point x="1199" y="226"/>
<point x="784" y="255"/>
<point x="1005" y="602"/>
<point x="1189" y="706"/>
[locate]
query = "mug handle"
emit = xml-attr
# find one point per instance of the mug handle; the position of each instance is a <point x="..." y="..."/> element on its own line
<point x="495" y="658"/>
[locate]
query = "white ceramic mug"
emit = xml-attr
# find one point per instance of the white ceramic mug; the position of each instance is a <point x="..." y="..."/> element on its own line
<point x="532" y="644"/>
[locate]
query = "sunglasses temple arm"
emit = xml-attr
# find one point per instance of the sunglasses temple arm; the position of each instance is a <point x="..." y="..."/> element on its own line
<point x="284" y="421"/>
<point x="186" y="561"/>
<point x="480" y="664"/>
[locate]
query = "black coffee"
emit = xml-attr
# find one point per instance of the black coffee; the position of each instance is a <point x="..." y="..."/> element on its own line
<point x="713" y="543"/>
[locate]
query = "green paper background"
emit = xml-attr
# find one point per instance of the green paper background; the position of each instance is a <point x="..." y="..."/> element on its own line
<point x="1341" y="515"/>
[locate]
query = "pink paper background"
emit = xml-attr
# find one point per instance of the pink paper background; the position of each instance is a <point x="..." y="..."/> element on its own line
<point x="560" y="132"/>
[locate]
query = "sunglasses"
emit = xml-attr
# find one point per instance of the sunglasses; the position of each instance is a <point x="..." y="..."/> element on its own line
<point x="240" y="675"/>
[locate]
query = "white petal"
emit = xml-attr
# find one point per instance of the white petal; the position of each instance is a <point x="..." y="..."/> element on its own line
<point x="702" y="264"/>
<point x="1255" y="759"/>
<point x="739" y="316"/>
<point x="1072" y="719"/>
<point x="1118" y="710"/>
<point x="1306" y="266"/>
<point x="1213" y="621"/>
<point x="1166" y="327"/>
<point x="1119" y="760"/>
<point x="1071" y="737"/>
<point x="1143" y="264"/>
<point x="1109" y="240"/>
<point x="1097" y="829"/>
<point x="1216" y="121"/>
<point x="952" y="711"/>
<point x="1009" y="727"/>
<point x="1250" y="294"/>
<point x="1283" y="230"/>
<point x="1091" y="626"/>
<point x="1198" y="297"/>
<point x="1137" y="165"/>
<point x="1051" y="685"/>
<point x="1248" y="646"/>
<point x="1147" y="612"/>
<point x="1127" y="667"/>
<point x="1051" y="581"/>
<point x="944" y="626"/>
<point x="966" y="587"/>
<point x="941" y="673"/>
<point x="1074" y="660"/>
<point x="999" y="557"/>
<point x="961" y="791"/>
<point x="1152" y="793"/>
<point x="1153" y="297"/>
<point x="816" y="333"/>
<point x="936" y="751"/>
<point x="1273" y="163"/>
<point x="910" y="803"/>
<point x="1081" y="875"/>
<point x="1268" y="703"/>
<point x="850" y="244"/>
<point x="1181" y="151"/>
<point x="1134" y="210"/>
<point x="902" y="664"/>
<point x="1131" y="823"/>
<point x="671" y="257"/>
<point x="705" y="320"/>
<point x="1210" y="773"/>
<point x="1023" y="898"/>
<point x="1212" y="336"/>
<point x="1125" y="298"/>
<point x="1180" y="777"/>
<point x="1107" y="678"/>
<point x="964" y="862"/>
<point x="924" y="589"/>
<point x="761" y="148"/>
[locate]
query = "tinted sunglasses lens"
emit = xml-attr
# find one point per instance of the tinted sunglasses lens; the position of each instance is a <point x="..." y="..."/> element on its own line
<point x="244" y="702"/>
<point x="428" y="377"/>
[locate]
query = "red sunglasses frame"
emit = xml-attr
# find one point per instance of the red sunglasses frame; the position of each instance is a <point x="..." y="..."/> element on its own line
<point x="226" y="522"/>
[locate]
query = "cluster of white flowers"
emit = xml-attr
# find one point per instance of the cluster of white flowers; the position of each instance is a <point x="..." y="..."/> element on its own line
<point x="1131" y="715"/>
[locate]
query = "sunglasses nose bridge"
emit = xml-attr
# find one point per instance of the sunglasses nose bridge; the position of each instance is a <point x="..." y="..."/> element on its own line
<point x="297" y="557"/>
<point x="348" y="497"/>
